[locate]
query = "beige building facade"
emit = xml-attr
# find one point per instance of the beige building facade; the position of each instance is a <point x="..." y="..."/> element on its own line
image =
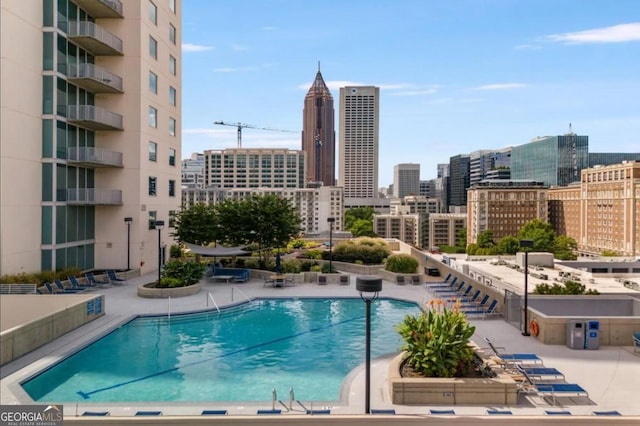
<point x="504" y="207"/>
<point x="404" y="227"/>
<point x="444" y="228"/>
<point x="90" y="126"/>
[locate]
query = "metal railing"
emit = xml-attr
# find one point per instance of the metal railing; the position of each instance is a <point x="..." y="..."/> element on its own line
<point x="95" y="155"/>
<point x="239" y="291"/>
<point x="97" y="73"/>
<point x="210" y="296"/>
<point x="113" y="4"/>
<point x="89" y="29"/>
<point x="95" y="114"/>
<point x="93" y="196"/>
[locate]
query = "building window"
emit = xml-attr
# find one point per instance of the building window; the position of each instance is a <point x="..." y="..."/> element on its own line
<point x="172" y="157"/>
<point x="153" y="48"/>
<point x="153" y="151"/>
<point x="153" y="117"/>
<point x="153" y="13"/>
<point x="172" y="188"/>
<point x="172" y="5"/>
<point x="153" y="83"/>
<point x="172" y="65"/>
<point x="172" y="34"/>
<point x="152" y="219"/>
<point x="153" y="185"/>
<point x="172" y="95"/>
<point x="172" y="218"/>
<point x="172" y="126"/>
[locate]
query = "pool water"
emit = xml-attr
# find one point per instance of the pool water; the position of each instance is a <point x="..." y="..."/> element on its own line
<point x="241" y="354"/>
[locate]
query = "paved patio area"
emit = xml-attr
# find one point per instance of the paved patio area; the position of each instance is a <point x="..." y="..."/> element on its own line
<point x="611" y="375"/>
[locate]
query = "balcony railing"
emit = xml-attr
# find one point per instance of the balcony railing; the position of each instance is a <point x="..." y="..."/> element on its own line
<point x="95" y="79"/>
<point x="94" y="38"/>
<point x="94" y="197"/>
<point x="94" y="157"/>
<point x="101" y="8"/>
<point x="93" y="117"/>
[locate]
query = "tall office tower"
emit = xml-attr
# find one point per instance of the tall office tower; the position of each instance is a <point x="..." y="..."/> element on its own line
<point x="89" y="133"/>
<point x="254" y="168"/>
<point x="459" y="179"/>
<point x="554" y="160"/>
<point x="193" y="171"/>
<point x="443" y="170"/>
<point x="406" y="179"/>
<point x="359" y="121"/>
<point x="428" y="188"/>
<point x="609" y="158"/>
<point x="318" y="133"/>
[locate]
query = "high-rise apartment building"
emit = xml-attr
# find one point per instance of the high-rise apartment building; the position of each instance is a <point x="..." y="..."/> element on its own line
<point x="554" y="160"/>
<point x="193" y="171"/>
<point x="89" y="132"/>
<point x="444" y="229"/>
<point x="406" y="179"/>
<point x="504" y="207"/>
<point x="318" y="133"/>
<point x="254" y="168"/>
<point x="359" y="122"/>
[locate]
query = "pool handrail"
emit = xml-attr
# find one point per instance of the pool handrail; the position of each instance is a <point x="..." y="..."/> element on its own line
<point x="234" y="288"/>
<point x="210" y="296"/>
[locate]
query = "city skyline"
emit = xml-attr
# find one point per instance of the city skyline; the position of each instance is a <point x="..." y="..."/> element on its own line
<point x="453" y="77"/>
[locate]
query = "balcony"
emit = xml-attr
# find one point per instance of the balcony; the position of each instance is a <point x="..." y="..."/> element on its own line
<point x="94" y="197"/>
<point x="94" y="157"/>
<point x="94" y="79"/>
<point x="101" y="8"/>
<point x="94" y="118"/>
<point x="94" y="38"/>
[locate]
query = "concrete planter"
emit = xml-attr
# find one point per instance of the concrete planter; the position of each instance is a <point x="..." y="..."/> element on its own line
<point x="438" y="391"/>
<point x="163" y="293"/>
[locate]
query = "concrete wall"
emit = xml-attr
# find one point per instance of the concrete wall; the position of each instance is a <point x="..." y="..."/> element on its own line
<point x="69" y="312"/>
<point x="580" y="305"/>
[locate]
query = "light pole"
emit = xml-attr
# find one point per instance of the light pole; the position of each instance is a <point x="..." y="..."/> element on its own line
<point x="331" y="220"/>
<point x="159" y="226"/>
<point x="369" y="287"/>
<point x="128" y="221"/>
<point x="526" y="244"/>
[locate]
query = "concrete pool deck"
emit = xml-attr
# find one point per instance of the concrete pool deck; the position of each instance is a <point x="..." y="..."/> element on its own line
<point x="611" y="374"/>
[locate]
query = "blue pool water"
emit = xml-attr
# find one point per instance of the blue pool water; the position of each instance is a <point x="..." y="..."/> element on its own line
<point x="238" y="355"/>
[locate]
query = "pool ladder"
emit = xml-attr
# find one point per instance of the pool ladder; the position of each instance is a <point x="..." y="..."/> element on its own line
<point x="292" y="399"/>
<point x="210" y="297"/>
<point x="234" y="288"/>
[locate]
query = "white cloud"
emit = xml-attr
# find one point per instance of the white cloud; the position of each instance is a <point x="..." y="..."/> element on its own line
<point x="614" y="34"/>
<point x="501" y="86"/>
<point x="528" y="47"/>
<point x="189" y="47"/>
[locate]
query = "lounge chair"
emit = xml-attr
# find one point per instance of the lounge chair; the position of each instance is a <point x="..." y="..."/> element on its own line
<point x="96" y="413"/>
<point x="518" y="359"/>
<point x="113" y="277"/>
<point x="214" y="412"/>
<point x="453" y="290"/>
<point x="75" y="284"/>
<point x="443" y="412"/>
<point x="543" y="373"/>
<point x="490" y="310"/>
<point x="554" y="390"/>
<point x="470" y="300"/>
<point x="92" y="279"/>
<point x="444" y="285"/>
<point x="447" y="279"/>
<point x="390" y="411"/>
<point x="636" y="341"/>
<point x="62" y="289"/>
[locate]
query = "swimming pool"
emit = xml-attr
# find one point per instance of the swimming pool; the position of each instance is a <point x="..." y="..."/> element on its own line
<point x="241" y="354"/>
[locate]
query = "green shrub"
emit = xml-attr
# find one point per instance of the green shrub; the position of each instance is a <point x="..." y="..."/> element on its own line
<point x="291" y="266"/>
<point x="568" y="288"/>
<point x="316" y="268"/>
<point x="328" y="269"/>
<point x="314" y="254"/>
<point x="252" y="263"/>
<point x="175" y="252"/>
<point x="187" y="273"/>
<point x="437" y="341"/>
<point x="401" y="264"/>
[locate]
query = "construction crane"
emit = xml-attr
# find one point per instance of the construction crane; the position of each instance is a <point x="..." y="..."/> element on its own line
<point x="241" y="126"/>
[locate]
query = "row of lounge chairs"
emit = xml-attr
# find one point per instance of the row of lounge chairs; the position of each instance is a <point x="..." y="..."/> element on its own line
<point x="74" y="285"/>
<point x="467" y="298"/>
<point x="545" y="382"/>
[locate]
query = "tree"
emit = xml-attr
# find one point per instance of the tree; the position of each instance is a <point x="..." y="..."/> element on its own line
<point x="197" y="225"/>
<point x="541" y="233"/>
<point x="268" y="221"/>
<point x="355" y="213"/>
<point x="508" y="245"/>
<point x="461" y="238"/>
<point x="485" y="239"/>
<point x="362" y="228"/>
<point x="564" y="248"/>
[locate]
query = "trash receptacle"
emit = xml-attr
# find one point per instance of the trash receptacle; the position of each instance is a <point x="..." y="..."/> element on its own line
<point x="592" y="335"/>
<point x="575" y="334"/>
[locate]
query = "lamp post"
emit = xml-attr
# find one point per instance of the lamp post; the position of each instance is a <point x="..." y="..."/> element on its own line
<point x="369" y="287"/>
<point x="128" y="221"/>
<point x="159" y="226"/>
<point x="526" y="244"/>
<point x="331" y="221"/>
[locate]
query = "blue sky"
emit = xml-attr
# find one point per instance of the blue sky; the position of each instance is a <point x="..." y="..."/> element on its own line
<point x="454" y="76"/>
